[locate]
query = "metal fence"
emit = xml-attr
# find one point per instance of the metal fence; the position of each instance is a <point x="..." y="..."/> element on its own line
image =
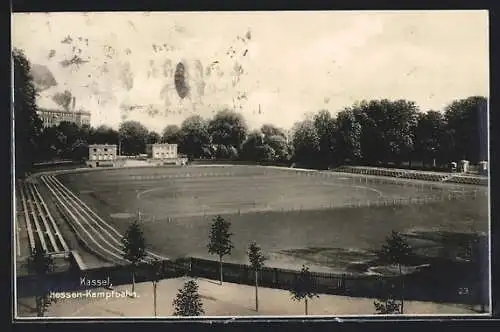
<point x="70" y="280"/>
<point x="368" y="286"/>
<point x="388" y="201"/>
<point x="397" y="201"/>
<point x="328" y="283"/>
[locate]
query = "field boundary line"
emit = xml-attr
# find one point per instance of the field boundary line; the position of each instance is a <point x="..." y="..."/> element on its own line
<point x="101" y="223"/>
<point x="29" y="229"/>
<point x="39" y="230"/>
<point x="53" y="222"/>
<point x="44" y="220"/>
<point x="113" y="254"/>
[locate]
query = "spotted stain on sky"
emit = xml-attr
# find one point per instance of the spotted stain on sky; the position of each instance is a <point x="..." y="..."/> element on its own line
<point x="272" y="66"/>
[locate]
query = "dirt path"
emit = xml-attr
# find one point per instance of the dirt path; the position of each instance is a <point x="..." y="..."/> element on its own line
<point x="230" y="300"/>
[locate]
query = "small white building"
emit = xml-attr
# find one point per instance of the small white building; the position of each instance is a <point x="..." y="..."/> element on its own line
<point x="162" y="151"/>
<point x="102" y="155"/>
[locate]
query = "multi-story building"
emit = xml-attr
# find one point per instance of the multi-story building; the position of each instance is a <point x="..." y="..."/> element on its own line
<point x="164" y="153"/>
<point x="102" y="155"/>
<point x="54" y="116"/>
<point x="161" y="151"/>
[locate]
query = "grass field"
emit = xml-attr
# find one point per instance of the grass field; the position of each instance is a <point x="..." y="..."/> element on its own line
<point x="177" y="206"/>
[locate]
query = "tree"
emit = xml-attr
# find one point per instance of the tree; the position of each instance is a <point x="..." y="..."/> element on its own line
<point x="402" y="118"/>
<point x="228" y="128"/>
<point x="252" y="146"/>
<point x="133" y="137"/>
<point x="153" y="137"/>
<point x="279" y="145"/>
<point x="306" y="143"/>
<point x="257" y="260"/>
<point x="220" y="243"/>
<point x="225" y="152"/>
<point x="232" y="152"/>
<point x="188" y="301"/>
<point x="85" y="131"/>
<point x="194" y="136"/>
<point x="47" y="149"/>
<point x="267" y="153"/>
<point x="388" y="129"/>
<point x="79" y="151"/>
<point x="207" y="151"/>
<point x="429" y="138"/>
<point x="271" y="130"/>
<point x="134" y="247"/>
<point x="171" y="134"/>
<point x="326" y="128"/>
<point x="104" y="135"/>
<point x="155" y="270"/>
<point x="41" y="263"/>
<point x="467" y="123"/>
<point x="398" y="252"/>
<point x="387" y="305"/>
<point x="28" y="125"/>
<point x="348" y="136"/>
<point x="69" y="133"/>
<point x="303" y="287"/>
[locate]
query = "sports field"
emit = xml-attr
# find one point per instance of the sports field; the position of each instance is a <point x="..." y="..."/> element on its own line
<point x="295" y="217"/>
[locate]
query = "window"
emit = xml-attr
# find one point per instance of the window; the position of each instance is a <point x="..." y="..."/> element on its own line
<point x="105" y="150"/>
<point x="95" y="150"/>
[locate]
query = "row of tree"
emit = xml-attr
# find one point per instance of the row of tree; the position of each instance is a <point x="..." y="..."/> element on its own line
<point x="223" y="137"/>
<point x="368" y="132"/>
<point x="383" y="131"/>
<point x="188" y="302"/>
<point x="379" y="131"/>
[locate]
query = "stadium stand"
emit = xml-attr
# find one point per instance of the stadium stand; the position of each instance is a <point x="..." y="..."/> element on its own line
<point x="414" y="175"/>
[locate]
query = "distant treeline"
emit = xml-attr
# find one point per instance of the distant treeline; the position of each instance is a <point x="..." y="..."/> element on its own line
<point x="369" y="132"/>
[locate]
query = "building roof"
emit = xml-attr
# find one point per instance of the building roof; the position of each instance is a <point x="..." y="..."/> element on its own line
<point x="160" y="144"/>
<point x="102" y="145"/>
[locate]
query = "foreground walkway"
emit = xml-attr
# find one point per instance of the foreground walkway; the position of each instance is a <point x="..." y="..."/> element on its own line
<point x="227" y="300"/>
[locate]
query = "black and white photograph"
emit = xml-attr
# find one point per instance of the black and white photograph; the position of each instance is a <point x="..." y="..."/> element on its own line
<point x="258" y="164"/>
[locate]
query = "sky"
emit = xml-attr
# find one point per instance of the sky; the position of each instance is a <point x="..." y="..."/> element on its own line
<point x="293" y="62"/>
